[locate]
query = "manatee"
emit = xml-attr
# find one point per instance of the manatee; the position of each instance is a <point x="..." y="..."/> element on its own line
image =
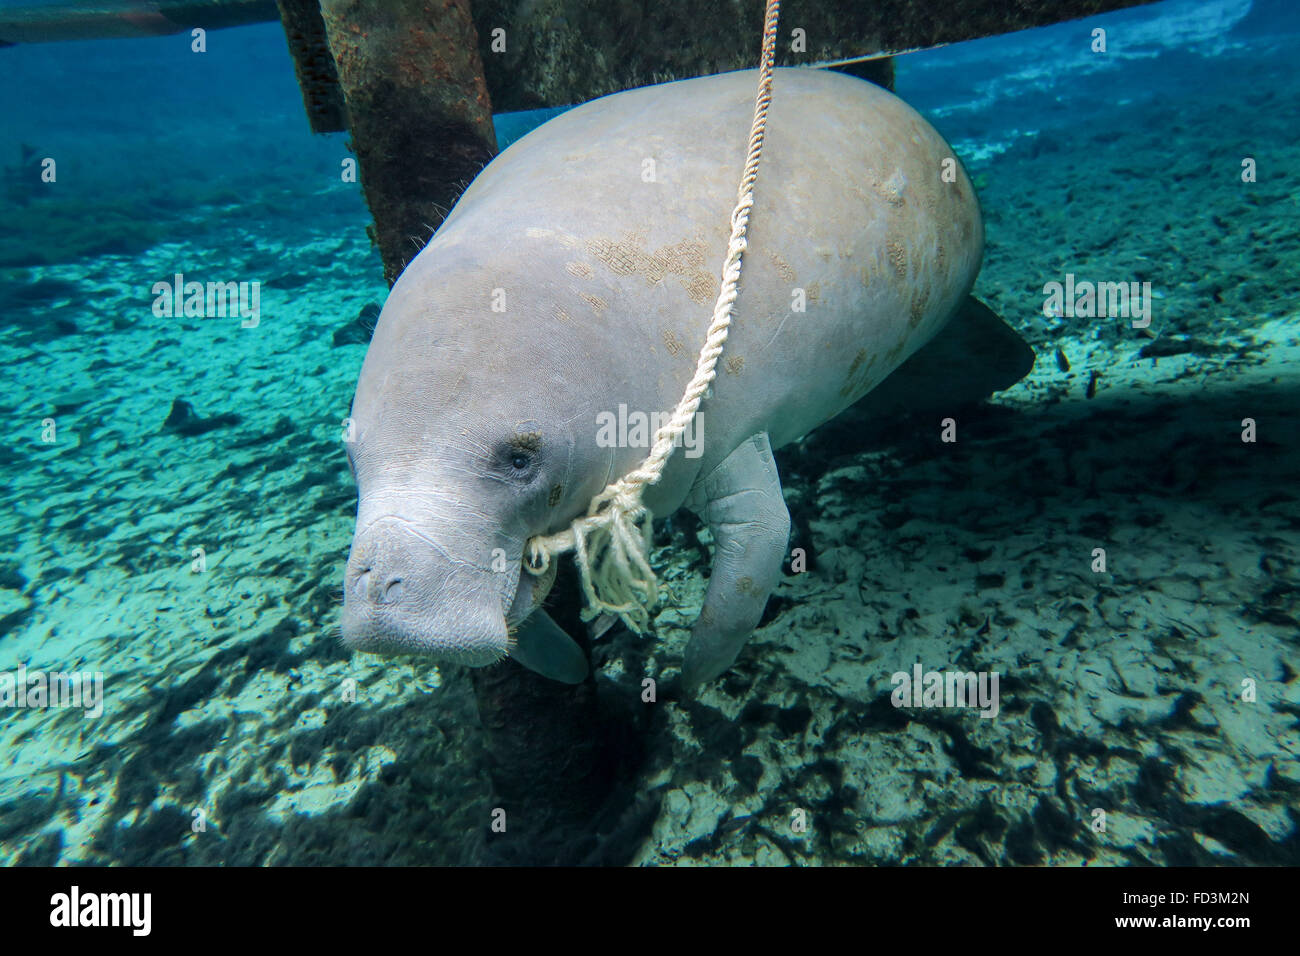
<point x="573" y="282"/>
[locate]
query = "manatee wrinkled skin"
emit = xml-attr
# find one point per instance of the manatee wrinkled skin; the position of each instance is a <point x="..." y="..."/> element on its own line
<point x="578" y="273"/>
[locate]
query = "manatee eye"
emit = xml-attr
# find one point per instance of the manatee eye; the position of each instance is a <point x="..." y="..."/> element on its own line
<point x="518" y="455"/>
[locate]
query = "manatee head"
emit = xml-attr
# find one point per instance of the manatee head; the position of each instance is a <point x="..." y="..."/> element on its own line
<point x="462" y="447"/>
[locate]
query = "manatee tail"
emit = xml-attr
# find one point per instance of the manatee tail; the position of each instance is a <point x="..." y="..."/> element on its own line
<point x="973" y="356"/>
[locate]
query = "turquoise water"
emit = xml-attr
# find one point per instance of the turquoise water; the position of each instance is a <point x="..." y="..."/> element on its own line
<point x="1147" y="710"/>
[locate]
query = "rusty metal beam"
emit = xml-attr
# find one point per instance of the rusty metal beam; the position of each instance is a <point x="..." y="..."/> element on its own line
<point x="561" y="52"/>
<point x="420" y="113"/>
<point x="322" y="96"/>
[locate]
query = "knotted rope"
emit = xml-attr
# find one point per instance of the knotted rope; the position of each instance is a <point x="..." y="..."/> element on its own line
<point x="611" y="543"/>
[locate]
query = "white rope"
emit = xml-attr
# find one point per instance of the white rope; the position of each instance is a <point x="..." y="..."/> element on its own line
<point x="611" y="543"/>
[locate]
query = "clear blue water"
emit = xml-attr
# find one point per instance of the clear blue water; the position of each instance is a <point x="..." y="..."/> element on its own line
<point x="1162" y="693"/>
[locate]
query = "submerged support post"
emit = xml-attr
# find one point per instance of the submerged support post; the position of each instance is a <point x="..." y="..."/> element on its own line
<point x="421" y="123"/>
<point x="321" y="97"/>
<point x="561" y="757"/>
<point x="420" y="114"/>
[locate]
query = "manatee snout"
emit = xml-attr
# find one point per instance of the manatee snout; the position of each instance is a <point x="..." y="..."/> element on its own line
<point x="404" y="595"/>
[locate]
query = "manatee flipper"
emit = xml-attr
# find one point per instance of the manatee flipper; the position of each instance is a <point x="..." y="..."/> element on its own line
<point x="601" y="626"/>
<point x="542" y="646"/>
<point x="973" y="356"/>
<point x="742" y="503"/>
